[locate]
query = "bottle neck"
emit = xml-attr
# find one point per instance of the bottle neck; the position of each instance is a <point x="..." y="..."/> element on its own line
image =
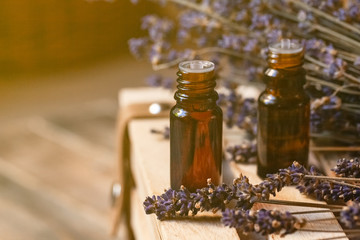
<point x="196" y="90"/>
<point x="285" y="81"/>
<point x="285" y="75"/>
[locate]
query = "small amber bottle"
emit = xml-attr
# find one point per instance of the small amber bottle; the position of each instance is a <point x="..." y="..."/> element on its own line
<point x="195" y="128"/>
<point x="283" y="110"/>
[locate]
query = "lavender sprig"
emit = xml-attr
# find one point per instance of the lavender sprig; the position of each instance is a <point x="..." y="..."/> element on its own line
<point x="242" y="153"/>
<point x="214" y="198"/>
<point x="239" y="32"/>
<point x="182" y="202"/>
<point x="347" y="168"/>
<point x="262" y="221"/>
<point x="245" y="194"/>
<point x="310" y="183"/>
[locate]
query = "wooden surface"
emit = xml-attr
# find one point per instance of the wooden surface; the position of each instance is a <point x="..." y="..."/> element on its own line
<point x="55" y="174"/>
<point x="150" y="166"/>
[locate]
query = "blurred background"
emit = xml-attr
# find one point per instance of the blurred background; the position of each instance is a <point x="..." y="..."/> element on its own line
<point x="62" y="64"/>
<point x="66" y="50"/>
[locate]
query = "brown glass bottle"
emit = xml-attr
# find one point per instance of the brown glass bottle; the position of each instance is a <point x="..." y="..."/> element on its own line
<point x="195" y="128"/>
<point x="283" y="110"/>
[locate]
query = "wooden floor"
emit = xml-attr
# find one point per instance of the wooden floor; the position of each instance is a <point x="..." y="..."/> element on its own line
<point x="56" y="172"/>
<point x="58" y="154"/>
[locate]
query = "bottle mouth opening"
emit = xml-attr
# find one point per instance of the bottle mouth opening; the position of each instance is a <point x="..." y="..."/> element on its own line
<point x="196" y="66"/>
<point x="286" y="46"/>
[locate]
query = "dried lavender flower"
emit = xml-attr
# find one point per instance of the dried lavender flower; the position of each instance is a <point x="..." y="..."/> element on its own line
<point x="157" y="80"/>
<point x="165" y="132"/>
<point x="262" y="221"/>
<point x="321" y="189"/>
<point x="328" y="191"/>
<point x="243" y="153"/>
<point x="214" y="198"/>
<point x="350" y="215"/>
<point x="347" y="168"/>
<point x="245" y="194"/>
<point x="182" y="202"/>
<point x="235" y="30"/>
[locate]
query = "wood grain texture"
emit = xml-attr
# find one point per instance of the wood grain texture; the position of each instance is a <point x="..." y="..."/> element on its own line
<point x="55" y="175"/>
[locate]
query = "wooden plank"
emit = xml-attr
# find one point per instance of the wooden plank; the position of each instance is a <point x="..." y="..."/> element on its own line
<point x="153" y="164"/>
<point x="143" y="190"/>
<point x="18" y="217"/>
<point x="61" y="214"/>
<point x="67" y="169"/>
<point x="64" y="171"/>
<point x="94" y="122"/>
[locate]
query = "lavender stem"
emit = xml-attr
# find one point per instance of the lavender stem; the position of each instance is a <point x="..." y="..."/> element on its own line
<point x="331" y="85"/>
<point x="301" y="204"/>
<point x="318" y="211"/>
<point x="345" y="184"/>
<point x="332" y="231"/>
<point x="212" y="14"/>
<point x="324" y="15"/>
<point x="337" y="179"/>
<point x="338" y="237"/>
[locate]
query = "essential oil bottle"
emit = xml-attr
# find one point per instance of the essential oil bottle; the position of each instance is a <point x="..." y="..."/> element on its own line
<point x="195" y="128"/>
<point x="283" y="110"/>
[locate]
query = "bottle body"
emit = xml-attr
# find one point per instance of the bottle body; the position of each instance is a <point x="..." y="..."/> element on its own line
<point x="283" y="118"/>
<point x="195" y="132"/>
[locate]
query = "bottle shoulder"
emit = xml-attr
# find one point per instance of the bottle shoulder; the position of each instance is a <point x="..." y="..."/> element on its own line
<point x="269" y="99"/>
<point x="179" y="111"/>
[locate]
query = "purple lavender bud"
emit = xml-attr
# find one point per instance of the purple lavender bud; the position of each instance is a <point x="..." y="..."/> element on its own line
<point x="148" y="21"/>
<point x="262" y="221"/>
<point x="165" y="132"/>
<point x="172" y="55"/>
<point x="274" y="36"/>
<point x="182" y="35"/>
<point x="221" y="7"/>
<point x="231" y="41"/>
<point x="325" y="190"/>
<point x="154" y="80"/>
<point x="244" y="152"/>
<point x="202" y="41"/>
<point x="350" y="215"/>
<point x="354" y="11"/>
<point x="168" y="83"/>
<point x="242" y="15"/>
<point x="347" y="168"/>
<point x="340" y="14"/>
<point x="137" y="46"/>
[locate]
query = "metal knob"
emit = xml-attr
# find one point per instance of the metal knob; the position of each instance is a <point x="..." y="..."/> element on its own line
<point x="115" y="192"/>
